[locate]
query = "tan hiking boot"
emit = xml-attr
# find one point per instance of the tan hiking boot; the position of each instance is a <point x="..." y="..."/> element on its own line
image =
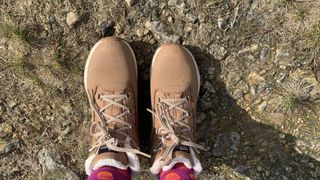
<point x="175" y="83"/>
<point x="110" y="79"/>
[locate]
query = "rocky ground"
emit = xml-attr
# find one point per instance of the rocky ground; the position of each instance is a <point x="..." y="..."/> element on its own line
<point x="260" y="69"/>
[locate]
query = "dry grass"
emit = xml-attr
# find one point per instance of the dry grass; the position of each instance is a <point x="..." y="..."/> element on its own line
<point x="314" y="37"/>
<point x="289" y="102"/>
<point x="300" y="14"/>
<point x="294" y="94"/>
<point x="14" y="32"/>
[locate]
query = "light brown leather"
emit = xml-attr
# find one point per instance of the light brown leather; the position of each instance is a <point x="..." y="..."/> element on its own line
<point x="111" y="70"/>
<point x="174" y="74"/>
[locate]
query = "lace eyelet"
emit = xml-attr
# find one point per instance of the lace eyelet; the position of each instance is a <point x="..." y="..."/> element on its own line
<point x="99" y="96"/>
<point x="128" y="95"/>
<point x="159" y="99"/>
<point x="188" y="98"/>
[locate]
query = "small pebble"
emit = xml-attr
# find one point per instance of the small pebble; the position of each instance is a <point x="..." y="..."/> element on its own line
<point x="201" y="117"/>
<point x="282" y="136"/>
<point x="67" y="108"/>
<point x="211" y="70"/>
<point x="259" y="168"/>
<point x="170" y="19"/>
<point x="152" y="41"/>
<point x="289" y="169"/>
<point x="106" y="27"/>
<point x="267" y="173"/>
<point x="140" y="32"/>
<point x="221" y="23"/>
<point x="192" y="18"/>
<point x="12" y="104"/>
<point x="5" y="129"/>
<point x="5" y="147"/>
<point x="261" y="107"/>
<point x="311" y="165"/>
<point x="72" y="18"/>
<point x="238" y="93"/>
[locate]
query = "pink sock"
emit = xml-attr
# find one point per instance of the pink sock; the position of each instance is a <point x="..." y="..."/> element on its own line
<point x="178" y="172"/>
<point x="110" y="173"/>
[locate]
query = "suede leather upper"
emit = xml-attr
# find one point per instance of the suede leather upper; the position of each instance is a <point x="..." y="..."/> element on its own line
<point x="111" y="70"/>
<point x="174" y="74"/>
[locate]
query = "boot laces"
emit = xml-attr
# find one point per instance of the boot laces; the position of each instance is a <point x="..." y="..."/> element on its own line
<point x="101" y="129"/>
<point x="167" y="123"/>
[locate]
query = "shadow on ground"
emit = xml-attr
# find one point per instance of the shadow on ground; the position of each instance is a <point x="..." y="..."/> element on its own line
<point x="262" y="149"/>
<point x="262" y="152"/>
<point x="144" y="53"/>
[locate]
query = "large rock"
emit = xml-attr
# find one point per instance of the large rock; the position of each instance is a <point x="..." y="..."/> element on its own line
<point x="157" y="28"/>
<point x="51" y="163"/>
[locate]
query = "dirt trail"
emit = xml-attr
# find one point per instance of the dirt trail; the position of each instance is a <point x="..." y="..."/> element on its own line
<point x="259" y="64"/>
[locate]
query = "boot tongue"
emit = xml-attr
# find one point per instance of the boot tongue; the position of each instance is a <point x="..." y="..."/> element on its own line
<point x="174" y="113"/>
<point x="107" y="157"/>
<point x="182" y="148"/>
<point x="181" y="154"/>
<point x="113" y="110"/>
<point x="104" y="149"/>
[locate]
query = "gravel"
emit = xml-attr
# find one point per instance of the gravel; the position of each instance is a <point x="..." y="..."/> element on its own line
<point x="258" y="103"/>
